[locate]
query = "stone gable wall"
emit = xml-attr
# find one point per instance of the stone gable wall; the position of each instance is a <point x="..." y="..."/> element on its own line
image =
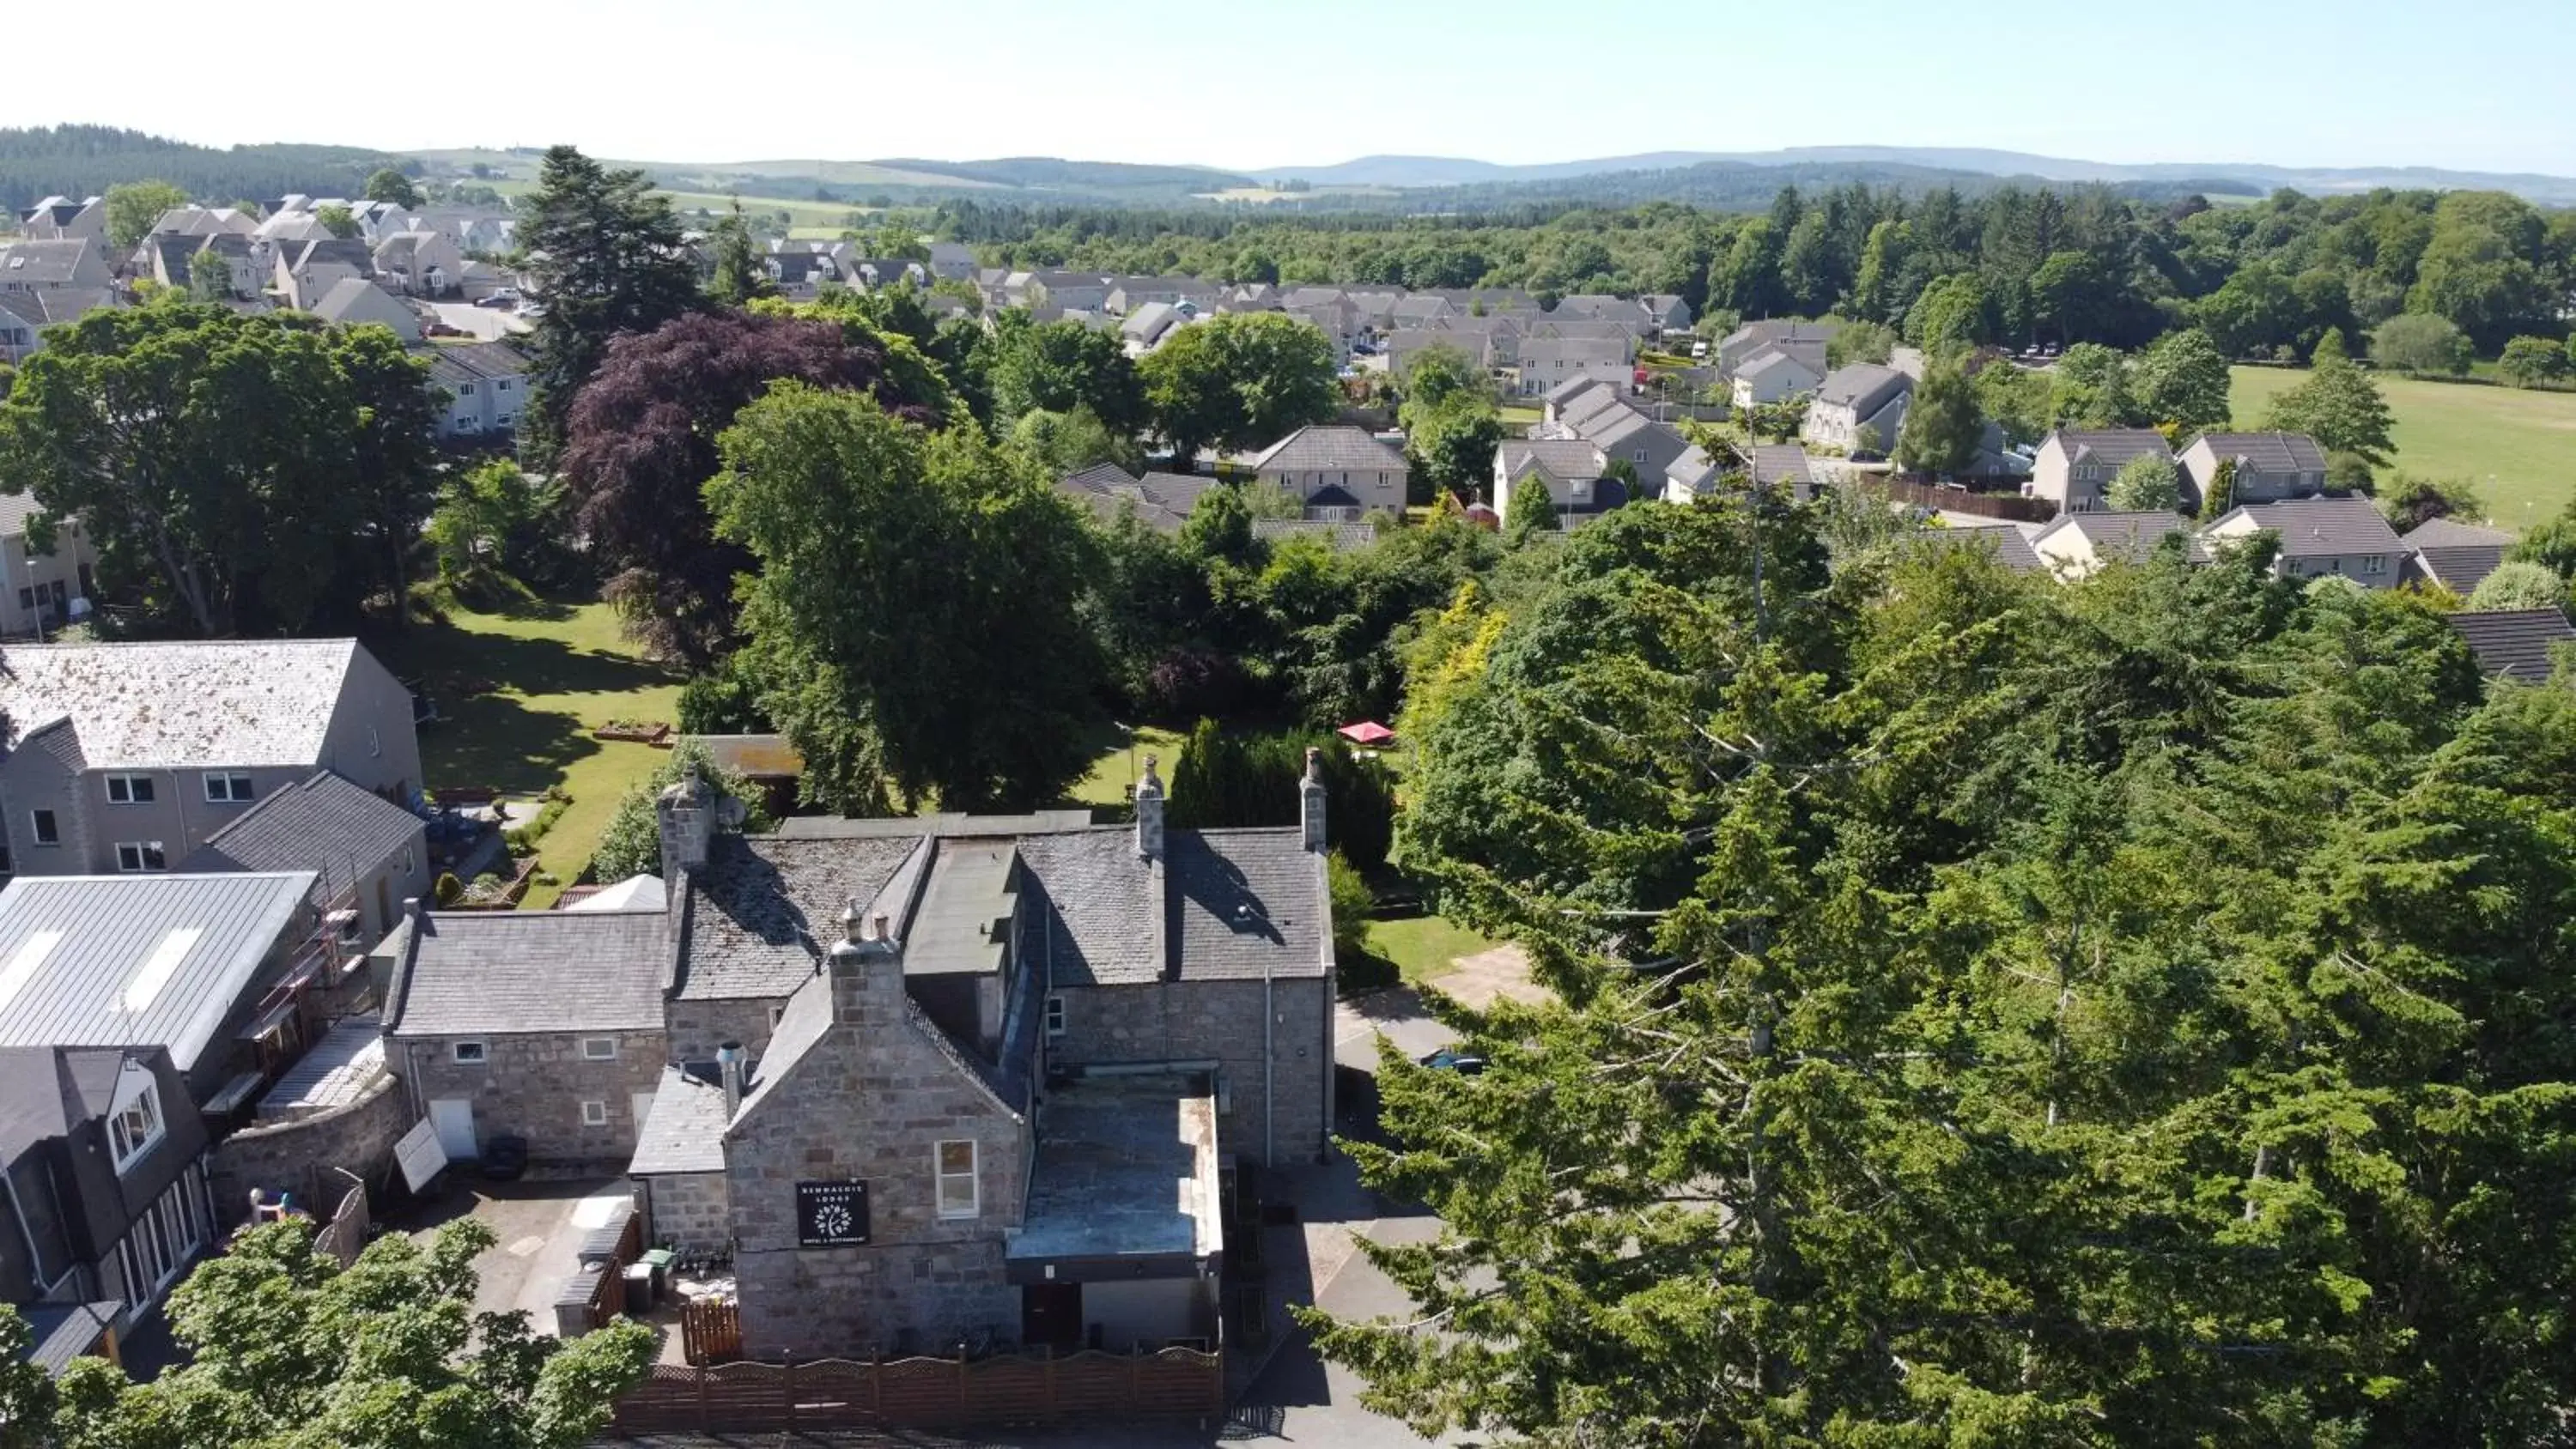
<point x="1219" y="1021"/>
<point x="533" y="1084"/>
<point x="689" y="1209"/>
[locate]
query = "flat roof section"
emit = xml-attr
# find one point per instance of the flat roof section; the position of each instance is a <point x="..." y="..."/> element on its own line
<point x="1125" y="1184"/>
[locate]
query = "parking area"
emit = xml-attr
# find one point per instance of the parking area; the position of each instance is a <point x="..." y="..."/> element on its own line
<point x="484" y="324"/>
<point x="540" y="1227"/>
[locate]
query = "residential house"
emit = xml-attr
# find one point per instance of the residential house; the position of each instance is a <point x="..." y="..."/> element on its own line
<point x="952" y="262"/>
<point x="37" y="589"/>
<point x="1802" y="340"/>
<point x="2454" y="555"/>
<point x="419" y="264"/>
<point x="1144" y="329"/>
<point x="1575" y="474"/>
<point x="541" y="1025"/>
<point x="357" y="302"/>
<point x="473" y="233"/>
<point x="2078" y="545"/>
<point x="800" y="274"/>
<point x="2075" y="465"/>
<point x="2269" y="466"/>
<point x="485" y="385"/>
<point x="1161" y="501"/>
<point x="2320" y="537"/>
<point x="100" y="774"/>
<point x="1771" y="376"/>
<point x="1547" y="363"/>
<point x="1376" y="308"/>
<point x="1335" y="317"/>
<point x="1338" y="537"/>
<point x="874" y="273"/>
<point x="1665" y="312"/>
<point x="1071" y="291"/>
<point x="1575" y="391"/>
<point x="367" y="854"/>
<point x="308" y="270"/>
<point x="1862" y="395"/>
<point x="171" y="259"/>
<point x="2521" y="645"/>
<point x="1477" y="343"/>
<point x="25" y="317"/>
<point x="1593" y="304"/>
<point x="1784" y="465"/>
<point x="1126" y="294"/>
<point x="1338" y="472"/>
<point x="1686" y="478"/>
<point x="1621" y="432"/>
<point x="1421" y="309"/>
<point x="202" y="221"/>
<point x="58" y="218"/>
<point x="66" y="265"/>
<point x="2004" y="542"/>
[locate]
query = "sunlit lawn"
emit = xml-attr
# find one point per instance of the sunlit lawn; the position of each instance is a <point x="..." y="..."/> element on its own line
<point x="559" y="671"/>
<point x="1120" y="765"/>
<point x="1425" y="948"/>
<point x="2518" y="448"/>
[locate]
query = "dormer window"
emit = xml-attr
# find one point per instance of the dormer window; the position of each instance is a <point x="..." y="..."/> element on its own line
<point x="135" y="1125"/>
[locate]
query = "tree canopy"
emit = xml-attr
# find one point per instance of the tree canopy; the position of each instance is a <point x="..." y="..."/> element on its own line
<point x="1238" y="380"/>
<point x="603" y="252"/>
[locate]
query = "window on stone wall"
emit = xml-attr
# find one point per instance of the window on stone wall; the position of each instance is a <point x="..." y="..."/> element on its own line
<point x="468" y="1053"/>
<point x="957" y="1189"/>
<point x="594" y="1114"/>
<point x="599" y="1048"/>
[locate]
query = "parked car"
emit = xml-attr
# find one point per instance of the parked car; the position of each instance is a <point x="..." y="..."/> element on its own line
<point x="506" y="297"/>
<point x="1450" y="1059"/>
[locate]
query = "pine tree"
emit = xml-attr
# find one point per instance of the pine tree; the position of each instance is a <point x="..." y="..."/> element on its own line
<point x="605" y="256"/>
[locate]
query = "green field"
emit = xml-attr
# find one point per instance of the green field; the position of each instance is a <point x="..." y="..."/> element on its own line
<point x="2518" y="448"/>
<point x="556" y="672"/>
<point x="814" y="218"/>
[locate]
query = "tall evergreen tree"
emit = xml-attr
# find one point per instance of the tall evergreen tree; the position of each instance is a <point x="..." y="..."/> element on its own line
<point x="605" y="256"/>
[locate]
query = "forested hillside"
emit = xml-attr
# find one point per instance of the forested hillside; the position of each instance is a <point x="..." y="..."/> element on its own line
<point x="79" y="161"/>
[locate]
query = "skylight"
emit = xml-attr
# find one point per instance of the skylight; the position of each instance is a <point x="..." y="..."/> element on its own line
<point x="157" y="971"/>
<point x="31" y="953"/>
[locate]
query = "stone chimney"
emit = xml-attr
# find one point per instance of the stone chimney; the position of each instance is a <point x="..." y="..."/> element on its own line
<point x="1310" y="800"/>
<point x="687" y="817"/>
<point x="867" y="971"/>
<point x="729" y="1065"/>
<point x="1149" y="814"/>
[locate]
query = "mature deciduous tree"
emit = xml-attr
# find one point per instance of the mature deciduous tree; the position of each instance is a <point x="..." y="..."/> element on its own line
<point x="1451" y="442"/>
<point x="133" y="207"/>
<point x="2340" y="407"/>
<point x="390" y="185"/>
<point x="741" y="272"/>
<point x="1238" y="380"/>
<point x="2421" y="342"/>
<point x="2411" y="501"/>
<point x="2531" y="361"/>
<point x="2146" y="483"/>
<point x="2181" y="381"/>
<point x="1060" y="366"/>
<point x="1942" y="426"/>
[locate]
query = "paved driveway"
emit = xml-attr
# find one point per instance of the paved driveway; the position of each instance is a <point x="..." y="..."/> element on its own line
<point x="540" y="1225"/>
<point x="487" y="324"/>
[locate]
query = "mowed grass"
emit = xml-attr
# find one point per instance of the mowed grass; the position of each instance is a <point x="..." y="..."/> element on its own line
<point x="2518" y="448"/>
<point x="558" y="671"/>
<point x="1425" y="948"/>
<point x="1118" y="767"/>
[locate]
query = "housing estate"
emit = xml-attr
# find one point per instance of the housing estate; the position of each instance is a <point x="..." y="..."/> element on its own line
<point x="1858" y="408"/>
<point x="1337" y="472"/>
<point x="2075" y="465"/>
<point x="1161" y="501"/>
<point x="2267" y="467"/>
<point x="2454" y="555"/>
<point x="2321" y="537"/>
<point x="37" y="588"/>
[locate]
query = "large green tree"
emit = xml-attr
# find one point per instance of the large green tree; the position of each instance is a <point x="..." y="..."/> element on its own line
<point x="248" y="474"/>
<point x="2340" y="406"/>
<point x="741" y="273"/>
<point x="389" y="184"/>
<point x="604" y="254"/>
<point x="1238" y="380"/>
<point x="916" y="622"/>
<point x="1450" y="441"/>
<point x="135" y="206"/>
<point x="288" y="1350"/>
<point x="1942" y="426"/>
<point x="1058" y="367"/>
<point x="2181" y="380"/>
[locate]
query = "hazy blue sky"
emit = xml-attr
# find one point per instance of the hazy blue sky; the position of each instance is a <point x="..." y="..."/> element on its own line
<point x="1251" y="83"/>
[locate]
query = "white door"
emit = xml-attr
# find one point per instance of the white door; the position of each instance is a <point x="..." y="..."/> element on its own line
<point x="454" y="1119"/>
<point x="643" y="1103"/>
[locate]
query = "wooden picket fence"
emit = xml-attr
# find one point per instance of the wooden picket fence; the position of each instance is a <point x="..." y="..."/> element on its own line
<point x="711" y="1330"/>
<point x="1035" y="1387"/>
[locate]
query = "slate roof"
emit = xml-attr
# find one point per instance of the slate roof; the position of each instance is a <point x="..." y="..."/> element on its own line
<point x="1339" y="537"/>
<point x="137" y="960"/>
<point x="1782" y="463"/>
<point x="2111" y="447"/>
<point x="180" y="706"/>
<point x="1864" y="387"/>
<point x="1329" y="449"/>
<point x="64" y="1332"/>
<point x="1247" y="903"/>
<point x="37" y="263"/>
<point x="2311" y="527"/>
<point x="747" y="933"/>
<point x="1572" y="388"/>
<point x="334" y="251"/>
<point x="2131" y="537"/>
<point x="1162" y="500"/>
<point x="455" y="362"/>
<point x="685" y="1130"/>
<point x="1768" y="361"/>
<point x="53" y="306"/>
<point x="327" y="825"/>
<point x="1563" y="458"/>
<point x="2514" y="643"/>
<point x="1587" y="350"/>
<point x="470" y="973"/>
<point x="355" y="301"/>
<point x="2266" y="452"/>
<point x="2456" y="555"/>
<point x="2010" y="548"/>
<point x="1100" y="924"/>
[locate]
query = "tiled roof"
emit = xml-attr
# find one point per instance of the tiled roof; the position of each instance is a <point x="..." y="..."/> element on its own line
<point x="2514" y="643"/>
<point x="1781" y="463"/>
<point x="180" y="706"/>
<point x="2006" y="542"/>
<point x="2267" y="452"/>
<point x="2109" y="446"/>
<point x="2311" y="527"/>
<point x="451" y="362"/>
<point x="31" y="262"/>
<point x="2129" y="536"/>
<point x="2452" y="533"/>
<point x="685" y="1130"/>
<point x="2456" y="555"/>
<point x="325" y="824"/>
<point x="470" y="972"/>
<point x="1562" y="458"/>
<point x="1162" y="501"/>
<point x="1329" y="449"/>
<point x="1864" y="387"/>
<point x="747" y="931"/>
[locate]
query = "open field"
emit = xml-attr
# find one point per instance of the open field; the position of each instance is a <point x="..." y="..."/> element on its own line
<point x="558" y="671"/>
<point x="2518" y="448"/>
<point x="822" y="218"/>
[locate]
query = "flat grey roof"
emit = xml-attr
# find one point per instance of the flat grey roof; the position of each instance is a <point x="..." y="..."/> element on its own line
<point x="971" y="890"/>
<point x="136" y="960"/>
<point x="1126" y="1167"/>
<point x="344" y="1063"/>
<point x="212" y="702"/>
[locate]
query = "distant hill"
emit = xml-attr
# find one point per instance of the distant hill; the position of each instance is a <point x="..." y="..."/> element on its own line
<point x="1419" y="171"/>
<point x="78" y="161"/>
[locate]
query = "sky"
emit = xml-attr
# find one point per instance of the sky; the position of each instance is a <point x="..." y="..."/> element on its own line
<point x="1254" y="84"/>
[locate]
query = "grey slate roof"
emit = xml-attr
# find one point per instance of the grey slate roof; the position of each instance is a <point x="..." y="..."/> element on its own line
<point x="2456" y="555"/>
<point x="64" y="1332"/>
<point x="1247" y="903"/>
<point x="1099" y="922"/>
<point x="2128" y="536"/>
<point x="1162" y="500"/>
<point x="1782" y="463"/>
<point x="326" y="825"/>
<point x="180" y="706"/>
<point x="39" y="263"/>
<point x="1339" y="537"/>
<point x="2111" y="447"/>
<point x="747" y="932"/>
<point x="471" y="973"/>
<point x="1329" y="449"/>
<point x="2006" y="542"/>
<point x="475" y="361"/>
<point x="137" y="960"/>
<point x="2312" y="527"/>
<point x="1561" y="458"/>
<point x="2267" y="452"/>
<point x="1864" y="387"/>
<point x="685" y="1130"/>
<point x="2514" y="643"/>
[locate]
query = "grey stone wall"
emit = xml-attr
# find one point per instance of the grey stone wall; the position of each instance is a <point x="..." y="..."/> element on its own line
<point x="1220" y="1021"/>
<point x="689" y="1209"/>
<point x="697" y="1028"/>
<point x="533" y="1085"/>
<point x="298" y="1156"/>
<point x="870" y="1101"/>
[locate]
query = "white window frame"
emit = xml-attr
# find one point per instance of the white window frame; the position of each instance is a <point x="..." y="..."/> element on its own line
<point x="941" y="1177"/>
<point x="228" y="787"/>
<point x="44" y="827"/>
<point x="1055" y="1013"/>
<point x="473" y="1053"/>
<point x="128" y="780"/>
<point x="144" y="851"/>
<point x="129" y="1139"/>
<point x="594" y="1114"/>
<point x="592" y="1048"/>
<point x="2376" y="563"/>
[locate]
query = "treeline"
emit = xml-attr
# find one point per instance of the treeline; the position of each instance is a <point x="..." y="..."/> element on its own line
<point x="2013" y="264"/>
<point x="78" y="161"/>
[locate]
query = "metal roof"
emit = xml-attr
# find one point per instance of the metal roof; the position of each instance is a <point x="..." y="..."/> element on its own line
<point x="139" y="960"/>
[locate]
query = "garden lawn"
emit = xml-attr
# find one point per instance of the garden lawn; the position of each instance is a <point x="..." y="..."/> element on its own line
<point x="1515" y="415"/>
<point x="1118" y="767"/>
<point x="558" y="671"/>
<point x="2516" y="447"/>
<point x="1424" y="948"/>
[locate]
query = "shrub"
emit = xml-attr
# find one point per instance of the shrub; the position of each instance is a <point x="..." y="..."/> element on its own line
<point x="2421" y="342"/>
<point x="1353" y="902"/>
<point x="2531" y="361"/>
<point x="449" y="889"/>
<point x="2518" y="585"/>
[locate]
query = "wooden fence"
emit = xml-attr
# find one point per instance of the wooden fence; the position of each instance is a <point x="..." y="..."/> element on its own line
<point x="711" y="1330"/>
<point x="1960" y="500"/>
<point x="1036" y="1387"/>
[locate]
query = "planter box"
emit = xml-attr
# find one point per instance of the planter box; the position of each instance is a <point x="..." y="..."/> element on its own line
<point x="659" y="734"/>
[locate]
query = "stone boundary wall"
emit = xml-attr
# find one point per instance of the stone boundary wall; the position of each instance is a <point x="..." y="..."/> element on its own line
<point x="297" y="1156"/>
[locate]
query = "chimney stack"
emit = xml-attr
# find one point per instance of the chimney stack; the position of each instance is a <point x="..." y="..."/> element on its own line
<point x="686" y="817"/>
<point x="1149" y="813"/>
<point x="1310" y="800"/>
<point x="867" y="970"/>
<point x="729" y="1066"/>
